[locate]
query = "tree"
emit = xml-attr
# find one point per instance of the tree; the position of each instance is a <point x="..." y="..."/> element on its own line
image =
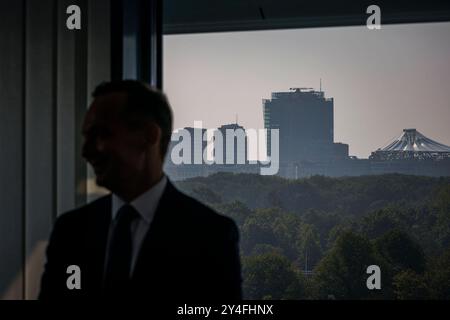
<point x="258" y="229"/>
<point x="263" y="248"/>
<point x="236" y="210"/>
<point x="271" y="276"/>
<point x="438" y="277"/>
<point x="441" y="205"/>
<point x="401" y="251"/>
<point x="342" y="272"/>
<point x="408" y="285"/>
<point x="273" y="227"/>
<point x="309" y="246"/>
<point x="379" y="222"/>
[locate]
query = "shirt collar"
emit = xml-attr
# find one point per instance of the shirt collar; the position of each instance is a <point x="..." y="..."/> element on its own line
<point x="145" y="204"/>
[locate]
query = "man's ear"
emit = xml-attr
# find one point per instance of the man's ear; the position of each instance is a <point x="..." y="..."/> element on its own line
<point x="152" y="133"/>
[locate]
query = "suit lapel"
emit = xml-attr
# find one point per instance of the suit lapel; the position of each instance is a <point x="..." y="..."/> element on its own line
<point x="99" y="220"/>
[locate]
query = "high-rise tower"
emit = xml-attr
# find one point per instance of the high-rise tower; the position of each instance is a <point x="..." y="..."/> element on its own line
<point x="304" y="118"/>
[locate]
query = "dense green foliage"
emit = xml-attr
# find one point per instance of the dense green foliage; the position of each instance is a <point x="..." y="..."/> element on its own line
<point x="314" y="238"/>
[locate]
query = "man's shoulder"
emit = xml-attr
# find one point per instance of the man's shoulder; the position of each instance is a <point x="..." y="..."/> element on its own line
<point x="85" y="212"/>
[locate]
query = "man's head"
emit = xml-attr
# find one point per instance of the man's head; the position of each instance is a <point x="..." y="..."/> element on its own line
<point x="127" y="131"/>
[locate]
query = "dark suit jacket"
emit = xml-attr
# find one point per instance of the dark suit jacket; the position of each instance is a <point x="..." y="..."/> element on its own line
<point x="190" y="253"/>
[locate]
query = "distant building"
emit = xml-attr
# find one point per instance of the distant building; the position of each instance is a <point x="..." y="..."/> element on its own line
<point x="189" y="169"/>
<point x="304" y="118"/>
<point x="412" y="153"/>
<point x="411" y="144"/>
<point x="233" y="137"/>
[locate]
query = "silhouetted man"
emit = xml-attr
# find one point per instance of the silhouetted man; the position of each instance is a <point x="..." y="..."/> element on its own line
<point x="146" y="240"/>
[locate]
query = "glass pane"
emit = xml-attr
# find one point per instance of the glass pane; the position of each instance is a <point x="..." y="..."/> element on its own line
<point x="362" y="119"/>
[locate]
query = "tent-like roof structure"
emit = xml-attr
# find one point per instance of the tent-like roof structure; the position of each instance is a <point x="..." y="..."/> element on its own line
<point x="412" y="144"/>
<point x="413" y="140"/>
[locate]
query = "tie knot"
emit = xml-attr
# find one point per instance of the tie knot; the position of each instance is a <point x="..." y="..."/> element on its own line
<point x="126" y="214"/>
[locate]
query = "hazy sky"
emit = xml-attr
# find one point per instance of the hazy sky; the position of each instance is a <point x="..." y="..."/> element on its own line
<point x="382" y="81"/>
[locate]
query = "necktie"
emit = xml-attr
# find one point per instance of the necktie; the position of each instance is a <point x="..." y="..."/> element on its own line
<point x="117" y="276"/>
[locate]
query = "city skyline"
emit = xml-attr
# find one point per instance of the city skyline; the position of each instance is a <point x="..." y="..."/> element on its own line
<point x="373" y="77"/>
